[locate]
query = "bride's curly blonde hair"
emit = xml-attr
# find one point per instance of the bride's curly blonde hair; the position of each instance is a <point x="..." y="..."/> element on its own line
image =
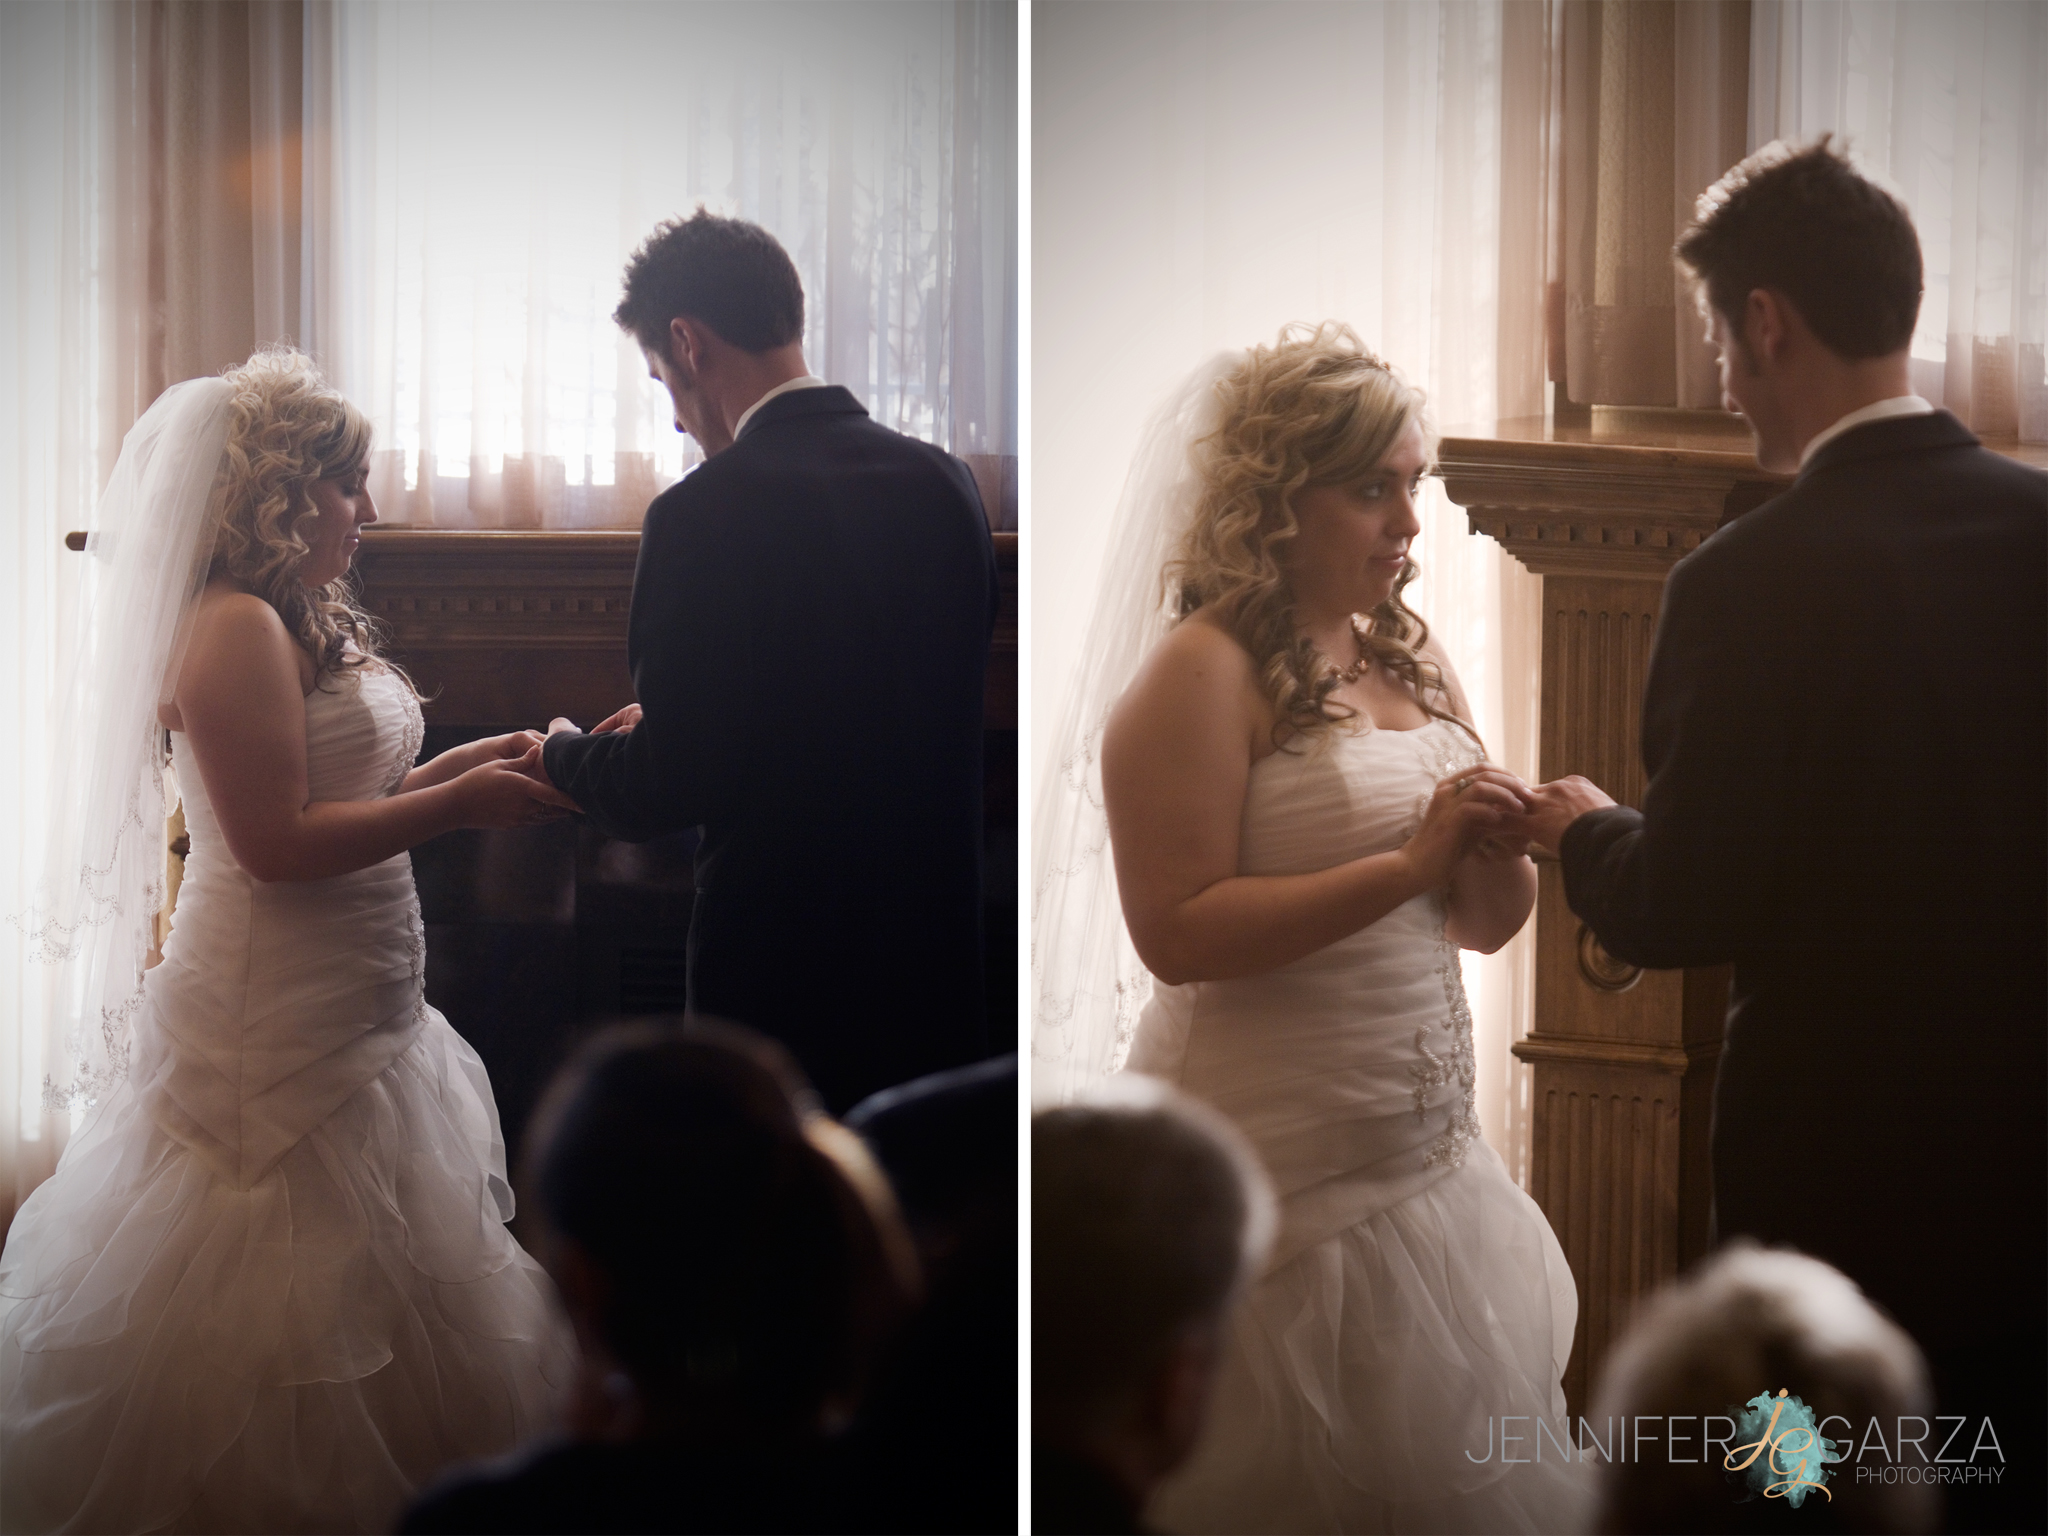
<point x="1314" y="409"/>
<point x="287" y="428"/>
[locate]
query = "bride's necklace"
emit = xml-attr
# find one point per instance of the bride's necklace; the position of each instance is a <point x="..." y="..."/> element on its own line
<point x="1356" y="670"/>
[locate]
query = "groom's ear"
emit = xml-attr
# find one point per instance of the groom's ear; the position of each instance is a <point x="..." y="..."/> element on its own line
<point x="687" y="347"/>
<point x="1768" y="320"/>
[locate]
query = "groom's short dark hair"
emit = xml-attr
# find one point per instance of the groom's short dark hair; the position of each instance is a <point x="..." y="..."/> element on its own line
<point x="1805" y="223"/>
<point x="731" y="275"/>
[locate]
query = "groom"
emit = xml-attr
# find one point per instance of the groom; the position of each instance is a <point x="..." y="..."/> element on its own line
<point x="810" y="623"/>
<point x="1844" y="731"/>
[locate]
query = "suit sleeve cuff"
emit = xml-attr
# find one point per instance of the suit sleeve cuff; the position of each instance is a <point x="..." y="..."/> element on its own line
<point x="558" y="756"/>
<point x="1584" y="843"/>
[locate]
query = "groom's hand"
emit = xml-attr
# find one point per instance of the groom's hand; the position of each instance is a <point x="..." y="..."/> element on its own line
<point x="533" y="764"/>
<point x="623" y="721"/>
<point x="1557" y="805"/>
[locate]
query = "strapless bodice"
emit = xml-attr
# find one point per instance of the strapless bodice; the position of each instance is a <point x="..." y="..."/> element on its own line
<point x="275" y="1001"/>
<point x="1351" y="1068"/>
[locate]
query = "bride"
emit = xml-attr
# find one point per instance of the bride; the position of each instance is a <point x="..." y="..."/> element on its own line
<point x="269" y="1286"/>
<point x="1305" y="832"/>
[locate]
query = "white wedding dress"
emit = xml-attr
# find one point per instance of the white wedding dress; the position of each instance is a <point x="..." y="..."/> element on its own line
<point x="1414" y="1292"/>
<point x="269" y="1287"/>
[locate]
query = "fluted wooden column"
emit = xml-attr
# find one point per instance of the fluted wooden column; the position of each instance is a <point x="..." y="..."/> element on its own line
<point x="1623" y="1058"/>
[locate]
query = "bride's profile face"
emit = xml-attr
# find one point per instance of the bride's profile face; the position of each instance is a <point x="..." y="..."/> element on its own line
<point x="341" y="508"/>
<point x="1353" y="540"/>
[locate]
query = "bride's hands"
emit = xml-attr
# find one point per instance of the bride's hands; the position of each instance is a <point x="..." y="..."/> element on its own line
<point x="1558" y="804"/>
<point x="457" y="761"/>
<point x="510" y="792"/>
<point x="1468" y="809"/>
<point x="513" y="744"/>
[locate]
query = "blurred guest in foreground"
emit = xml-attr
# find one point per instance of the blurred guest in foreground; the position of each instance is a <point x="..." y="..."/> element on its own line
<point x="731" y="1260"/>
<point x="936" y="1448"/>
<point x="1149" y="1214"/>
<point x="1767" y="1339"/>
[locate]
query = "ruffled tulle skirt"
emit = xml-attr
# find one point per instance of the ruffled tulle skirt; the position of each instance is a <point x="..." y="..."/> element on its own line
<point x="180" y="1355"/>
<point x="1359" y="1378"/>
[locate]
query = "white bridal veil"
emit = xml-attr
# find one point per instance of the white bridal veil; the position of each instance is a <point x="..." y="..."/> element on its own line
<point x="94" y="906"/>
<point x="1087" y="982"/>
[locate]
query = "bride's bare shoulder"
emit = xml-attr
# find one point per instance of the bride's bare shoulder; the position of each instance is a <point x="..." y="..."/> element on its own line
<point x="230" y="629"/>
<point x="1198" y="679"/>
<point x="226" y="616"/>
<point x="1453" y="691"/>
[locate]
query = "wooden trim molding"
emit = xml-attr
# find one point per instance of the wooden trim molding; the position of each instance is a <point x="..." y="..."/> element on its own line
<point x="1628" y="497"/>
<point x="1679" y="1059"/>
<point x="501" y="627"/>
<point x="483" y="590"/>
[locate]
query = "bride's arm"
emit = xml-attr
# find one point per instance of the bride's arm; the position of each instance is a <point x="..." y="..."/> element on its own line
<point x="1176" y="760"/>
<point x="1493" y="887"/>
<point x="457" y="761"/>
<point x="1492" y="892"/>
<point x="245" y="718"/>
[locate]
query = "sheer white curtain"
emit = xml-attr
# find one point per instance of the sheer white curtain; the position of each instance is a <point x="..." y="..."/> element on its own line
<point x="477" y="176"/>
<point x="149" y="224"/>
<point x="1949" y="103"/>
<point x="75" y="343"/>
<point x="1204" y="174"/>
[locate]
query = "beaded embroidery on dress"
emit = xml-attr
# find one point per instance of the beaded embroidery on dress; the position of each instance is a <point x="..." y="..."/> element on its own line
<point x="1415" y="1291"/>
<point x="270" y="1287"/>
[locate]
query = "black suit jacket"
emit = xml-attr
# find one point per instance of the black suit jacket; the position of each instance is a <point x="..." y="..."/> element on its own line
<point x="810" y="626"/>
<point x="1844" y="731"/>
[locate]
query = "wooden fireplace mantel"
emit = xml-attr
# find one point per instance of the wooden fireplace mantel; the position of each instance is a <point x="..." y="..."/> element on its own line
<point x="505" y="627"/>
<point x="1626" y="494"/>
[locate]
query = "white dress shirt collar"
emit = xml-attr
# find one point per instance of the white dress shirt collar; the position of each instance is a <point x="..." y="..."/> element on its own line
<point x="786" y="387"/>
<point x="1877" y="410"/>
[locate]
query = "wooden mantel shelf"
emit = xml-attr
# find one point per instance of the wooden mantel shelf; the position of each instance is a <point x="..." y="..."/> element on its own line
<point x="1622" y="491"/>
<point x="1617" y="489"/>
<point x="506" y="626"/>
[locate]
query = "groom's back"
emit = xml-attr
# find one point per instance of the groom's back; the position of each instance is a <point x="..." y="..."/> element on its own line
<point x="877" y="592"/>
<point x="1893" y="976"/>
<point x="841" y="873"/>
<point x="1903" y="581"/>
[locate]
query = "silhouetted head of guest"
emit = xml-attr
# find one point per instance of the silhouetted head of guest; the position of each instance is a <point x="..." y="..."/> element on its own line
<point x="1149" y="1214"/>
<point x="718" y="309"/>
<point x="1809" y="279"/>
<point x="719" y="1242"/>
<point x="937" y="1446"/>
<point x="1714" y="1352"/>
<point x="948" y="1142"/>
